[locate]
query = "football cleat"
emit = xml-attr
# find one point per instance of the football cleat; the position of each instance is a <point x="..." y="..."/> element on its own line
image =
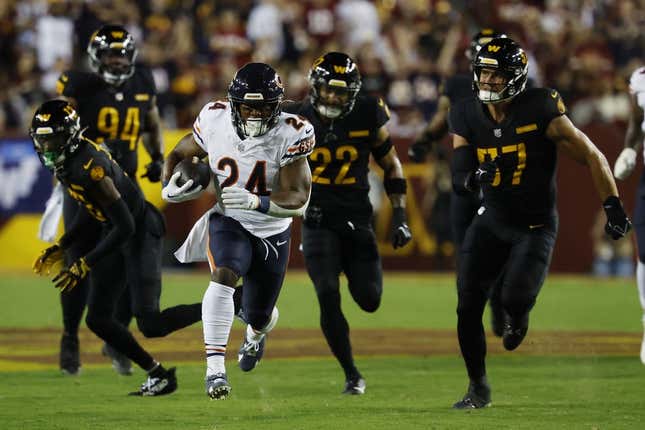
<point x="69" y="359"/>
<point x="120" y="363"/>
<point x="250" y="353"/>
<point x="477" y="397"/>
<point x="355" y="386"/>
<point x="514" y="333"/>
<point x="165" y="383"/>
<point x="217" y="386"/>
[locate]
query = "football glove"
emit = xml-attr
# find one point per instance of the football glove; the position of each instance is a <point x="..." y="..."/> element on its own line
<point x="68" y="278"/>
<point x="617" y="222"/>
<point x="239" y="198"/>
<point x="173" y="193"/>
<point x="485" y="173"/>
<point x="401" y="233"/>
<point x="153" y="170"/>
<point x="625" y="163"/>
<point x="50" y="257"/>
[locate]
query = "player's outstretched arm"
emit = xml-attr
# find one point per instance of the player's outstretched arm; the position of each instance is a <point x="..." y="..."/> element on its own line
<point x="578" y="146"/>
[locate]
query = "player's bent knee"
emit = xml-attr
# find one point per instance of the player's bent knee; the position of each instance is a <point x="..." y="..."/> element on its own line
<point x="151" y="325"/>
<point x="225" y="276"/>
<point x="371" y="305"/>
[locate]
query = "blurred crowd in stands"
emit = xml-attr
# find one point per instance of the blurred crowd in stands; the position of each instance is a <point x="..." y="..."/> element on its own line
<point x="584" y="48"/>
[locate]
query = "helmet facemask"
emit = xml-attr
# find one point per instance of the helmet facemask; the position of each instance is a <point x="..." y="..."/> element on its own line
<point x="514" y="83"/>
<point x="334" y="98"/>
<point x="254" y="118"/>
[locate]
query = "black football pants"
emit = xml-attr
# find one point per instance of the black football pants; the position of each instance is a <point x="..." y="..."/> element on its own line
<point x="138" y="265"/>
<point x="329" y="251"/>
<point x="491" y="247"/>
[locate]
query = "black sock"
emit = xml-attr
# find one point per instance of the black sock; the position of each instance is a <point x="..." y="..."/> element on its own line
<point x="157" y="371"/>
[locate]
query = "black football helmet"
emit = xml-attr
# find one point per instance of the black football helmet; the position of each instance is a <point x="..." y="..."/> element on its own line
<point x="509" y="59"/>
<point x="338" y="73"/>
<point x="480" y="39"/>
<point x="112" y="53"/>
<point x="54" y="127"/>
<point x="256" y="86"/>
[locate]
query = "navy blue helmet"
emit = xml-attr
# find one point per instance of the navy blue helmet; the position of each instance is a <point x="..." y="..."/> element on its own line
<point x="255" y="95"/>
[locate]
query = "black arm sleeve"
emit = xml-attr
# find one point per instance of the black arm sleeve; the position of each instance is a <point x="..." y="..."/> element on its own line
<point x="75" y="228"/>
<point x="122" y="228"/>
<point x="464" y="163"/>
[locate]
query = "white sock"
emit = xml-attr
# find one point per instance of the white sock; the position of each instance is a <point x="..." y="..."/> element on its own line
<point x="217" y="318"/>
<point x="640" y="282"/>
<point x="257" y="335"/>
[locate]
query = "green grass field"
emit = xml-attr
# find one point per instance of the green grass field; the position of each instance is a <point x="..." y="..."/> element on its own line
<point x="555" y="391"/>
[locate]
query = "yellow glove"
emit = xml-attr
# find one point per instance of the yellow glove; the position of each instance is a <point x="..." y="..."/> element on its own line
<point x="50" y="257"/>
<point x="68" y="278"/>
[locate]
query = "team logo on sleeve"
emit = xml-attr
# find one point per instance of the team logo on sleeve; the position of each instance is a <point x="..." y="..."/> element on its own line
<point x="97" y="173"/>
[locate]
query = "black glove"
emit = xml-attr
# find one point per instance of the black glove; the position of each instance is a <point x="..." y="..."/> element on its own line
<point x="485" y="173"/>
<point x="47" y="259"/>
<point x="68" y="278"/>
<point x="418" y="150"/>
<point x="617" y="222"/>
<point x="153" y="169"/>
<point x="401" y="233"/>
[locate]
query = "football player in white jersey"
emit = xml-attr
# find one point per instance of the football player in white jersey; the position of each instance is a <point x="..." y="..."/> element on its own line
<point x="624" y="166"/>
<point x="258" y="155"/>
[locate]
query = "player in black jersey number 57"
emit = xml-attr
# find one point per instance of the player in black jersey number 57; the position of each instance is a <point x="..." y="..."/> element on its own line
<point x="506" y="142"/>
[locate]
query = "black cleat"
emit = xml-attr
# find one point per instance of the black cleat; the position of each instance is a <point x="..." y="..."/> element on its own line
<point x="120" y="363"/>
<point x="69" y="359"/>
<point x="355" y="386"/>
<point x="477" y="397"/>
<point x="514" y="333"/>
<point x="165" y="383"/>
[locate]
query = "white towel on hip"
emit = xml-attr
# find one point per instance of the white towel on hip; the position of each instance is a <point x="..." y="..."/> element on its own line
<point x="51" y="217"/>
<point x="194" y="247"/>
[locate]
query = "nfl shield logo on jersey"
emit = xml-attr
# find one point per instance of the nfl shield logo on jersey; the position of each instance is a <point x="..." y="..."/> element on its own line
<point x="497" y="132"/>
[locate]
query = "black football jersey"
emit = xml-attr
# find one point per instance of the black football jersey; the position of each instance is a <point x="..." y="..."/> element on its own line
<point x="113" y="115"/>
<point x="339" y="162"/>
<point x="523" y="190"/>
<point x="86" y="165"/>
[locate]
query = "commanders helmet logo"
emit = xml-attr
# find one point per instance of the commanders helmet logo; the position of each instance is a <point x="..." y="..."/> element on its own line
<point x="43" y="117"/>
<point x="493" y="48"/>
